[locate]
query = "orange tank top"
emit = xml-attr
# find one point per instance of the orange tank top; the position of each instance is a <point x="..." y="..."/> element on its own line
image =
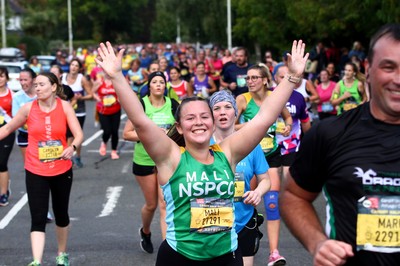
<point x="6" y="106"/>
<point x="47" y="140"/>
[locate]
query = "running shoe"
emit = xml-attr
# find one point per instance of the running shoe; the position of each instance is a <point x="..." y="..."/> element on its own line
<point x="62" y="259"/>
<point x="4" y="200"/>
<point x="103" y="149"/>
<point x="78" y="162"/>
<point x="34" y="263"/>
<point x="145" y="243"/>
<point x="114" y="155"/>
<point x="275" y="259"/>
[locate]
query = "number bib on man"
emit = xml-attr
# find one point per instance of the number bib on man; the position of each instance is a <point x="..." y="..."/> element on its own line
<point x="378" y="224"/>
<point x="241" y="80"/>
<point x="50" y="150"/>
<point x="109" y="100"/>
<point x="239" y="187"/>
<point x="211" y="215"/>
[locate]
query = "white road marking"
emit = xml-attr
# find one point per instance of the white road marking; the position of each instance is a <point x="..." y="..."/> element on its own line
<point x="10" y="215"/>
<point x="112" y="195"/>
<point x="125" y="168"/>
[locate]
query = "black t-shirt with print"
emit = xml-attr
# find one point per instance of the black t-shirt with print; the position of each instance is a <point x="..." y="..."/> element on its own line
<point x="355" y="160"/>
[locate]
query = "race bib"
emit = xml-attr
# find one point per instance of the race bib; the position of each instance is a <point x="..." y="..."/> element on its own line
<point x="239" y="187"/>
<point x="184" y="72"/>
<point x="280" y="125"/>
<point x="267" y="143"/>
<point x="349" y="105"/>
<point x="50" y="150"/>
<point x="327" y="107"/>
<point x="211" y="215"/>
<point x="109" y="100"/>
<point x="241" y="80"/>
<point x="378" y="224"/>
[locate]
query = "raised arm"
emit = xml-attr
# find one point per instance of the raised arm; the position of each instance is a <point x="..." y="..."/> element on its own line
<point x="270" y="108"/>
<point x="157" y="144"/>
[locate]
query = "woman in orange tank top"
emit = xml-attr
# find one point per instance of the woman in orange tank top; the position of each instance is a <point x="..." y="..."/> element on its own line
<point x="48" y="165"/>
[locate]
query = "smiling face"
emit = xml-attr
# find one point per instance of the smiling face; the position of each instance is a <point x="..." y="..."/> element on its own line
<point x="196" y="122"/>
<point x="26" y="80"/>
<point x="384" y="80"/>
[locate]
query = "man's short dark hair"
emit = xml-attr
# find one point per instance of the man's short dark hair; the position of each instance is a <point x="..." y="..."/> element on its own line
<point x="388" y="30"/>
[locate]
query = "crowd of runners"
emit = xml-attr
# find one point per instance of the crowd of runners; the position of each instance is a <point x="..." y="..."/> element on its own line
<point x="253" y="115"/>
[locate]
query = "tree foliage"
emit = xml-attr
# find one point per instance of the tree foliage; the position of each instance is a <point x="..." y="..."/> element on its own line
<point x="268" y="24"/>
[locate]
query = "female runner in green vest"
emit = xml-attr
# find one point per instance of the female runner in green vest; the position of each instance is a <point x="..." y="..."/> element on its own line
<point x="198" y="179"/>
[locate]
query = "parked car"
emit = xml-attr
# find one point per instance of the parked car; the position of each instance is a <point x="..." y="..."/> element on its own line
<point x="46" y="61"/>
<point x="11" y="54"/>
<point x="14" y="68"/>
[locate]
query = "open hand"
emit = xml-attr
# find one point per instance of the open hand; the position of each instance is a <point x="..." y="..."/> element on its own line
<point x="109" y="62"/>
<point x="297" y="60"/>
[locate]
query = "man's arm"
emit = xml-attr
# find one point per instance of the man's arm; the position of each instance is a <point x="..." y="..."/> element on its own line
<point x="302" y="220"/>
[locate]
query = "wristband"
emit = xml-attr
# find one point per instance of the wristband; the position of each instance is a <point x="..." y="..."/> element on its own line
<point x="293" y="79"/>
<point x="74" y="147"/>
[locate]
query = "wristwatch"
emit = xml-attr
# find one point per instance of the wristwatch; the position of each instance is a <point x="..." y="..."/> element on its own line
<point x="294" y="79"/>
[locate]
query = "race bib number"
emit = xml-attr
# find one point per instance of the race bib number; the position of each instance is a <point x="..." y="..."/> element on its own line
<point x="211" y="215"/>
<point x="184" y="72"/>
<point x="327" y="107"/>
<point x="280" y="126"/>
<point x="241" y="80"/>
<point x="109" y="100"/>
<point x="349" y="105"/>
<point x="378" y="224"/>
<point x="267" y="143"/>
<point x="50" y="150"/>
<point x="239" y="187"/>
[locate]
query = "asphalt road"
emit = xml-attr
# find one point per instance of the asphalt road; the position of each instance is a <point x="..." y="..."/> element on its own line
<point x="105" y="214"/>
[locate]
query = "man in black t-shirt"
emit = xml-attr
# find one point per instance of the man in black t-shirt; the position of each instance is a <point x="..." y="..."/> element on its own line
<point x="355" y="160"/>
